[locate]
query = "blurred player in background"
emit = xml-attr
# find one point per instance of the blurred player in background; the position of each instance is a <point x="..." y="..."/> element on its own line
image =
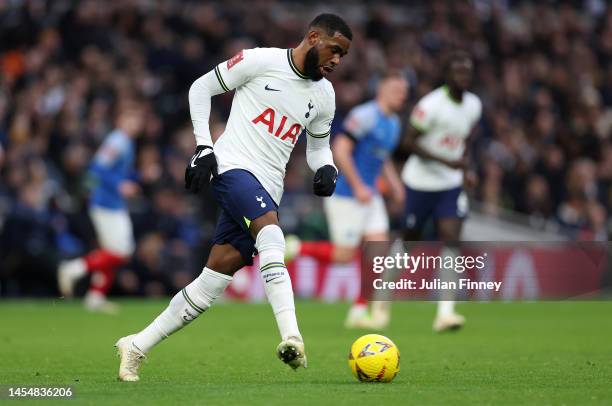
<point x="434" y="175"/>
<point x="357" y="213"/>
<point x="279" y="93"/>
<point x="111" y="171"/>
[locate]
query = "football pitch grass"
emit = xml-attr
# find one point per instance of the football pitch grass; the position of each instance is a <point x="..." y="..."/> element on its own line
<point x="509" y="353"/>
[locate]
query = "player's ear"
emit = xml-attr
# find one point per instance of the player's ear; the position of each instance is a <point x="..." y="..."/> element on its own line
<point x="313" y="36"/>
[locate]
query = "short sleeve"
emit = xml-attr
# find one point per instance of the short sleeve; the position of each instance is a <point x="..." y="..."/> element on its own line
<point x="239" y="69"/>
<point x="360" y="121"/>
<point x="422" y="115"/>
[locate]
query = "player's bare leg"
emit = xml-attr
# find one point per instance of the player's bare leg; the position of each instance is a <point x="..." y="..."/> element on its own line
<point x="357" y="316"/>
<point x="327" y="252"/>
<point x="449" y="231"/>
<point x="380" y="311"/>
<point x="102" y="265"/>
<point x="270" y="244"/>
<point x="185" y="306"/>
<point x="412" y="234"/>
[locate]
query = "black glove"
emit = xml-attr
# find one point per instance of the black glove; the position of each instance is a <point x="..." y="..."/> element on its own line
<point x="200" y="167"/>
<point x="324" y="182"/>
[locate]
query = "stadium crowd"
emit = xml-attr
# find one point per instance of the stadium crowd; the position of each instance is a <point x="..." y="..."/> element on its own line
<point x="542" y="148"/>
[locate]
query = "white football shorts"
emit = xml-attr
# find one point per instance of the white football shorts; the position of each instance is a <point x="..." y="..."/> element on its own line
<point x="349" y="220"/>
<point x="113" y="229"/>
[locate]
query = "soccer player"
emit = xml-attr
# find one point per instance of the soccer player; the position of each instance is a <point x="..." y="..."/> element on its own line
<point x="434" y="177"/>
<point x="357" y="212"/>
<point x="110" y="170"/>
<point x="279" y="93"/>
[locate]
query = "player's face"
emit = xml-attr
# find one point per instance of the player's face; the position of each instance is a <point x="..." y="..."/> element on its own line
<point x="394" y="90"/>
<point x="325" y="54"/>
<point x="132" y="121"/>
<point x="460" y="74"/>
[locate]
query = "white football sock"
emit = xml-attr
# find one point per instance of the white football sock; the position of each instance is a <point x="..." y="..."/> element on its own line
<point x="446" y="306"/>
<point x="270" y="244"/>
<point x="184" y="307"/>
<point x="76" y="268"/>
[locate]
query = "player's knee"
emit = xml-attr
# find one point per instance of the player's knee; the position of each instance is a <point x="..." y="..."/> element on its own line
<point x="225" y="259"/>
<point x="412" y="234"/>
<point x="270" y="238"/>
<point x="258" y="224"/>
<point x="226" y="265"/>
<point x="449" y="231"/>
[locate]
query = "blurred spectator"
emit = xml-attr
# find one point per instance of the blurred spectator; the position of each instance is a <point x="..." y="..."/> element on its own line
<point x="543" y="147"/>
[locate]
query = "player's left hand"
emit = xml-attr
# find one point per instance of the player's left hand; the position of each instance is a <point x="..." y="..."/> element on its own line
<point x="470" y="179"/>
<point x="398" y="200"/>
<point x="202" y="165"/>
<point x="324" y="182"/>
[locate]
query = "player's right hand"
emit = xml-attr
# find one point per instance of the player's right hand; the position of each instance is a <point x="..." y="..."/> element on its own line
<point x="461" y="163"/>
<point x="129" y="189"/>
<point x="363" y="194"/>
<point x="202" y="165"/>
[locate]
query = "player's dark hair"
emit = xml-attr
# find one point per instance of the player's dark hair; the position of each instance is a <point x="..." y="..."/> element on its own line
<point x="455" y="56"/>
<point x="331" y="24"/>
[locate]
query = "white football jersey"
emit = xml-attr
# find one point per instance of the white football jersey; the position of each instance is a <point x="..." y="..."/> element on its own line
<point x="445" y="124"/>
<point x="273" y="103"/>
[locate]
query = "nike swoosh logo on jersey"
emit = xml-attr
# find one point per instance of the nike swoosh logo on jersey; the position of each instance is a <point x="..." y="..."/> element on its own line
<point x="272" y="279"/>
<point x="270" y="89"/>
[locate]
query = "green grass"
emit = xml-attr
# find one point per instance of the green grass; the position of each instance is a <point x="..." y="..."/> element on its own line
<point x="521" y="353"/>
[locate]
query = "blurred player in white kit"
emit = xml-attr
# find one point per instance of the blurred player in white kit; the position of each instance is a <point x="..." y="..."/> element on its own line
<point x="438" y="167"/>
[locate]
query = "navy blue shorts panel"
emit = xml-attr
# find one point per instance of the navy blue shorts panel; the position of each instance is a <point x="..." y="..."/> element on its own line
<point x="422" y="205"/>
<point x="242" y="199"/>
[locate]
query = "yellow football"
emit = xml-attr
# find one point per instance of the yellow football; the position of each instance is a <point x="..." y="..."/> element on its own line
<point x="374" y="358"/>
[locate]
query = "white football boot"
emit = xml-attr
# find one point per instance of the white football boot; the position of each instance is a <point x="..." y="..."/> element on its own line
<point x="98" y="303"/>
<point x="358" y="317"/>
<point x="130" y="359"/>
<point x="381" y="314"/>
<point x="448" y="322"/>
<point x="291" y="352"/>
<point x="68" y="273"/>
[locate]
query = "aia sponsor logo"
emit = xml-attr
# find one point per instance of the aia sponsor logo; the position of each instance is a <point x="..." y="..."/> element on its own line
<point x="451" y="141"/>
<point x="418" y="113"/>
<point x="235" y="59"/>
<point x="283" y="130"/>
